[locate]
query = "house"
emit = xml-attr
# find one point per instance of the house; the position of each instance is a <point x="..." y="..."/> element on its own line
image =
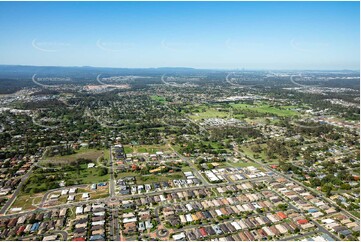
<point x="203" y="232"/>
<point x="78" y="239"/>
<point x="21" y="220"/>
<point x="148" y="224"/>
<point x="64" y="192"/>
<point x="72" y="190"/>
<point x="20" y="230"/>
<point x="97" y="237"/>
<point x="281" y="215"/>
<point x="281" y="228"/>
<point x="50" y="237"/>
<point x="91" y="165"/>
<point x="54" y="196"/>
<point x="179" y="237"/>
<point x="79" y="210"/>
<point x="302" y="221"/>
<point x="34" y="227"/>
<point x="63" y="212"/>
<point x="141" y="226"/>
<point x="130" y="228"/>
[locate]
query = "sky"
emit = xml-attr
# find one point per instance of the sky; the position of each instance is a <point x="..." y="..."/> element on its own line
<point x="216" y="35"/>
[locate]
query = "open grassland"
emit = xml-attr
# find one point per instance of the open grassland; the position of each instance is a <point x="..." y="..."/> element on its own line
<point x="91" y="154"/>
<point x="208" y="112"/>
<point x="46" y="179"/>
<point x="151" y="149"/>
<point x="151" y="178"/>
<point x="145" y="179"/>
<point x="26" y="201"/>
<point x="264" y="108"/>
<point x="221" y="111"/>
<point x="258" y="156"/>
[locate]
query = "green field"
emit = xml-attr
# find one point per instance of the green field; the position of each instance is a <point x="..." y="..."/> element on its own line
<point x="84" y="153"/>
<point x="158" y="98"/>
<point x="152" y="149"/>
<point x="219" y="111"/>
<point x="145" y="179"/>
<point x="128" y="149"/>
<point x="26" y="201"/>
<point x="208" y="113"/>
<point x="43" y="180"/>
<point x="281" y="111"/>
<point x="262" y="156"/>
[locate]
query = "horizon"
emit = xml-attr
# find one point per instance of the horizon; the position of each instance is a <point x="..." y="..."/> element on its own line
<point x="185" y="67"/>
<point x="199" y="35"/>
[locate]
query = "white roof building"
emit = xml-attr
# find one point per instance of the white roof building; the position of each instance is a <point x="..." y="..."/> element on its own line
<point x="79" y="210"/>
<point x="64" y="192"/>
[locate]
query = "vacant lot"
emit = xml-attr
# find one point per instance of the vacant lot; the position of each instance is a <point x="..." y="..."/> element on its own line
<point x="45" y="179"/>
<point x="152" y="149"/>
<point x="26" y="201"/>
<point x="264" y="108"/>
<point x="208" y="112"/>
<point x="145" y="179"/>
<point x="91" y="154"/>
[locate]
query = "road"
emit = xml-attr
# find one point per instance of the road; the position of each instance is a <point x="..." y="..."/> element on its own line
<point x="9" y="202"/>
<point x="112" y="179"/>
<point x="114" y="224"/>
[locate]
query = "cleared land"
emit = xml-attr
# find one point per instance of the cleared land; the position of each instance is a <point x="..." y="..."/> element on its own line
<point x="264" y="108"/>
<point x="152" y="149"/>
<point x="91" y="154"/>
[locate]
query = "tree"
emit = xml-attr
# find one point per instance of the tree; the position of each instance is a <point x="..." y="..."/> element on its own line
<point x="103" y="171"/>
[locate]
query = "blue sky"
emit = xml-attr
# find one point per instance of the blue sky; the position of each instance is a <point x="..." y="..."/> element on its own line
<point x="222" y="35"/>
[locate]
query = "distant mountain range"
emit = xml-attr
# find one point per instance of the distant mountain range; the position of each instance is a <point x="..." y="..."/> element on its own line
<point x="20" y="71"/>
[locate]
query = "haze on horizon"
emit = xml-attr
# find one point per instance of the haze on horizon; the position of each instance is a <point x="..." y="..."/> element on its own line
<point x="207" y="35"/>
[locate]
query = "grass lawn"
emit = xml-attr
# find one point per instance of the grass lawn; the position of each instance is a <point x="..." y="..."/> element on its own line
<point x="128" y="149"/>
<point x="99" y="194"/>
<point x="151" y="149"/>
<point x="23" y="201"/>
<point x="186" y="168"/>
<point x="82" y="176"/>
<point x="158" y="98"/>
<point x="91" y="154"/>
<point x="71" y="212"/>
<point x="87" y="176"/>
<point x="281" y="111"/>
<point x="247" y="151"/>
<point x="125" y="174"/>
<point x="355" y="213"/>
<point x="37" y="199"/>
<point x="159" y="178"/>
<point x="106" y="154"/>
<point x="208" y="113"/>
